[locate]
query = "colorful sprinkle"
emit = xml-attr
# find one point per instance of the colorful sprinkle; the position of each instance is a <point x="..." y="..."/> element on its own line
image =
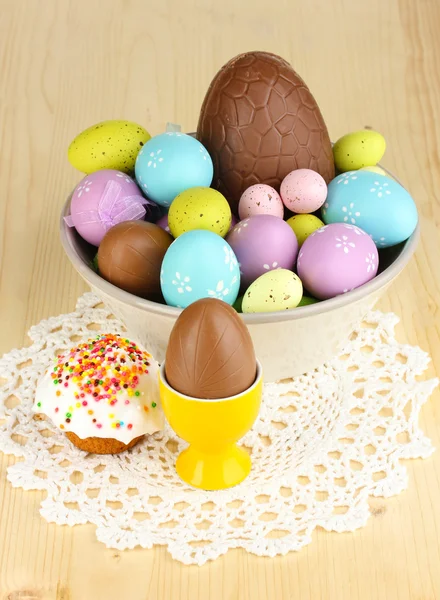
<point x="153" y="404"/>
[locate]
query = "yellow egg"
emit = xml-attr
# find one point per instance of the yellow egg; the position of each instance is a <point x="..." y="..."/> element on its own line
<point x="276" y="290"/>
<point x="359" y="149"/>
<point x="303" y="226"/>
<point x="199" y="208"/>
<point x="377" y="170"/>
<point x="108" y="145"/>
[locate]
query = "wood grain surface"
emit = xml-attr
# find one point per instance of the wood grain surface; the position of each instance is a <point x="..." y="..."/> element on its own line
<point x="66" y="64"/>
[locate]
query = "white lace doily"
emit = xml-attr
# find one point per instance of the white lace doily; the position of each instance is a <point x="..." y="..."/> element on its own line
<point x="323" y="443"/>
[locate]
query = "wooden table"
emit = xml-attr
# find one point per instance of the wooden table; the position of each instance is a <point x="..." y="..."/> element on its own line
<point x="66" y="64"/>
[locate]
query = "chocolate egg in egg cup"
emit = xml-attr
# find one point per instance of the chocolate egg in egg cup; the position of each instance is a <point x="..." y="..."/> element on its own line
<point x="211" y="386"/>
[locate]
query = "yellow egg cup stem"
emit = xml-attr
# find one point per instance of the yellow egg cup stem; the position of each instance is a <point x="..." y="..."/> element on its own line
<point x="216" y="470"/>
<point x="213" y="460"/>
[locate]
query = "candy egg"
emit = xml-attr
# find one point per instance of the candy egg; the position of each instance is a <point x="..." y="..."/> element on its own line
<point x="377" y="204"/>
<point x="336" y="259"/>
<point x="303" y="226"/>
<point x="163" y="223"/>
<point x="260" y="199"/>
<point x="171" y="163"/>
<point x="377" y="170"/>
<point x="102" y="200"/>
<point x="108" y="145"/>
<point x="303" y="191"/>
<point x="359" y="149"/>
<point x="263" y="243"/>
<point x="274" y="291"/>
<point x="130" y="257"/>
<point x="199" y="208"/>
<point x="199" y="264"/>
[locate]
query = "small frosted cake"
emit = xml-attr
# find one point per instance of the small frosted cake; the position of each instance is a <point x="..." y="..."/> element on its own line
<point x="103" y="394"/>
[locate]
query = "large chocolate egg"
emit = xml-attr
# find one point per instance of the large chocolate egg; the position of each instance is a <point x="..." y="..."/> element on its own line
<point x="258" y="122"/>
<point x="130" y="256"/>
<point x="210" y="352"/>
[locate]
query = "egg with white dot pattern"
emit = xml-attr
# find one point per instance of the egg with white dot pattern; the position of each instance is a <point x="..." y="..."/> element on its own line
<point x="199" y="264"/>
<point x="170" y="163"/>
<point x="375" y="203"/>
<point x="335" y="259"/>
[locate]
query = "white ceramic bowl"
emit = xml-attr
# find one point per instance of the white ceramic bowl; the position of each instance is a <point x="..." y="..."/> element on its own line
<point x="288" y="343"/>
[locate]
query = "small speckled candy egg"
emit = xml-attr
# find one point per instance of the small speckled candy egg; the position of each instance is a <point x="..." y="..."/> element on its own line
<point x="199" y="264"/>
<point x="171" y="163"/>
<point x="377" y="170"/>
<point x="274" y="291"/>
<point x="163" y="223"/>
<point x="336" y="259"/>
<point x="303" y="191"/>
<point x="303" y="226"/>
<point x="108" y="145"/>
<point x="262" y="243"/>
<point x="102" y="200"/>
<point x="199" y="208"/>
<point x="260" y="199"/>
<point x="358" y="149"/>
<point x="377" y="204"/>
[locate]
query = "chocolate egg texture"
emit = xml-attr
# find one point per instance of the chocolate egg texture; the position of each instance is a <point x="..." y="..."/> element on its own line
<point x="130" y="256"/>
<point x="258" y="122"/>
<point x="210" y="353"/>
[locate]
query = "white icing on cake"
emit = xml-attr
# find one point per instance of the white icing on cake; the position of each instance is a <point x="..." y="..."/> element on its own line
<point x="107" y="387"/>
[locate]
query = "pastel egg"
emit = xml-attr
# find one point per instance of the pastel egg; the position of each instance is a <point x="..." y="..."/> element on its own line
<point x="199" y="208"/>
<point x="375" y="203"/>
<point x="359" y="149"/>
<point x="108" y="145"/>
<point x="303" y="226"/>
<point x="199" y="264"/>
<point x="262" y="243"/>
<point x="260" y="199"/>
<point x="102" y="200"/>
<point x="163" y="223"/>
<point x="377" y="170"/>
<point x="336" y="259"/>
<point x="171" y="163"/>
<point x="303" y="191"/>
<point x="274" y="291"/>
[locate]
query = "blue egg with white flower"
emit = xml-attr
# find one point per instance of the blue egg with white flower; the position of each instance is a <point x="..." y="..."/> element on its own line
<point x="199" y="264"/>
<point x="171" y="163"/>
<point x="375" y="203"/>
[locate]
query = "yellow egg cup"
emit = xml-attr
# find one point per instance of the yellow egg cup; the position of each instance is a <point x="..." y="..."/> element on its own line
<point x="213" y="461"/>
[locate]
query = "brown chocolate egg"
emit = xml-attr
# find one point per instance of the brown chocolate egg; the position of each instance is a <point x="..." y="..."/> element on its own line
<point x="130" y="256"/>
<point x="210" y="352"/>
<point x="259" y="122"/>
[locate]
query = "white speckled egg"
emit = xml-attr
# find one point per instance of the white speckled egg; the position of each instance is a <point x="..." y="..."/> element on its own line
<point x="276" y="290"/>
<point x="260" y="199"/>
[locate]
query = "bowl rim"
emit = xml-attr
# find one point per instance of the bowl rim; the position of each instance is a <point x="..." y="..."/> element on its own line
<point x="300" y="312"/>
<point x="258" y="378"/>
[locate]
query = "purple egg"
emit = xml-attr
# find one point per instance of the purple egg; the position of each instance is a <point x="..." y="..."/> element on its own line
<point x="103" y="199"/>
<point x="262" y="243"/>
<point x="163" y="222"/>
<point x="336" y="259"/>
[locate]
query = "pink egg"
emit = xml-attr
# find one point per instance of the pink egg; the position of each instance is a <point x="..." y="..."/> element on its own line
<point x="262" y="243"/>
<point x="103" y="199"/>
<point x="336" y="259"/>
<point x="260" y="199"/>
<point x="163" y="222"/>
<point x="303" y="191"/>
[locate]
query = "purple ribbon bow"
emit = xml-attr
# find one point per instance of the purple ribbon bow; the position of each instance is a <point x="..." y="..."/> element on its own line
<point x="112" y="209"/>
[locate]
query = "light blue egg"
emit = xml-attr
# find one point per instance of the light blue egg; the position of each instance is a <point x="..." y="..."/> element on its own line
<point x="375" y="203"/>
<point x="170" y="163"/>
<point x="199" y="264"/>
